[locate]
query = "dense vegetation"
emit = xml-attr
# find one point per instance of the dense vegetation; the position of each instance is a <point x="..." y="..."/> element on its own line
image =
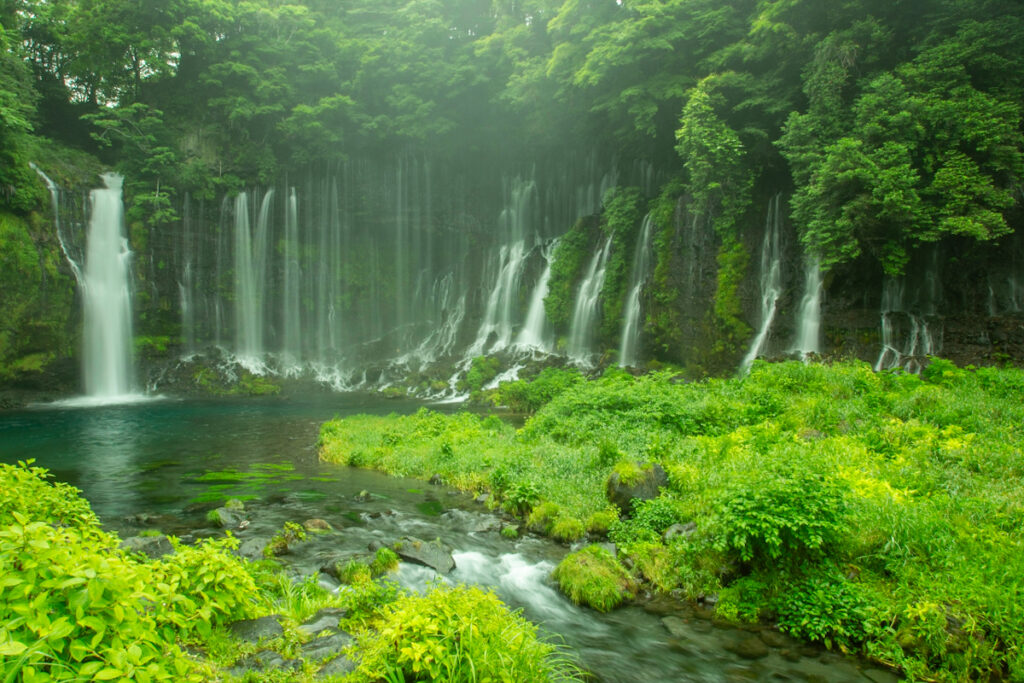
<point x="878" y="513"/>
<point x="75" y="606"/>
<point x="889" y="125"/>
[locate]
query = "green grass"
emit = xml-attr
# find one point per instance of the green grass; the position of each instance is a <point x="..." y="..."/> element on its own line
<point x="880" y="513"/>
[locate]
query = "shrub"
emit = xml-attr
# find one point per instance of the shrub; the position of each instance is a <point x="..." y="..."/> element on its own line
<point x="543" y="517"/>
<point x="825" y="608"/>
<point x="457" y="634"/>
<point x="385" y="561"/>
<point x="792" y="512"/>
<point x="355" y="572"/>
<point x="593" y="577"/>
<point x="567" y="529"/>
<point x="521" y="497"/>
<point x="529" y="396"/>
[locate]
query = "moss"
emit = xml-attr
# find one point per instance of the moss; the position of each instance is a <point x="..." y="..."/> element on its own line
<point x="620" y="220"/>
<point x="567" y="529"/>
<point x="543" y="517"/>
<point x="385" y="561"/>
<point x="354" y="573"/>
<point x="593" y="577"/>
<point x="599" y="521"/>
<point x="567" y="266"/>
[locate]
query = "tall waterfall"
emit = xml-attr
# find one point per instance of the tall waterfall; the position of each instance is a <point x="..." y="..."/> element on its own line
<point x="629" y="347"/>
<point x="771" y="281"/>
<point x="107" y="297"/>
<point x="291" y="313"/>
<point x="585" y="311"/>
<point x="535" y="336"/>
<point x="808" y="323"/>
<point x="501" y="301"/>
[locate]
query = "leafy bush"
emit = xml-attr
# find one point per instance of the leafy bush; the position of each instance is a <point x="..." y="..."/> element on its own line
<point x="529" y="396"/>
<point x="791" y="512"/>
<point x="593" y="577"/>
<point x="824" y="608"/>
<point x="457" y="634"/>
<point x="481" y="371"/>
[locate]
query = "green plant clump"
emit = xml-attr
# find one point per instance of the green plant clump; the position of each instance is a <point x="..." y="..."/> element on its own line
<point x="457" y="634"/>
<point x="592" y="576"/>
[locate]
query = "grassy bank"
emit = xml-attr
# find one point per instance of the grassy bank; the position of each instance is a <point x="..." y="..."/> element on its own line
<point x="75" y="606"/>
<point x="876" y="513"/>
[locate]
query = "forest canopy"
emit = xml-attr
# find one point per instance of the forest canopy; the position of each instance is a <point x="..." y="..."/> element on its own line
<point x="890" y="124"/>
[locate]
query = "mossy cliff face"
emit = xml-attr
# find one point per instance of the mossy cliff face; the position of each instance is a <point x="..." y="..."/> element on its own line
<point x="37" y="305"/>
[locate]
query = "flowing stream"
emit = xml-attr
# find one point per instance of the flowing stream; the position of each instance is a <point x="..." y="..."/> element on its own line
<point x="159" y="464"/>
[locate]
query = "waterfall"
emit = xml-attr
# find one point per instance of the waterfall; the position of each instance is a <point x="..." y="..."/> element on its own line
<point x="54" y="191"/>
<point x="107" y="298"/>
<point x="907" y="334"/>
<point x="291" y="314"/>
<point x="534" y="335"/>
<point x="585" y="311"/>
<point x="808" y="336"/>
<point x="771" y="281"/>
<point x="501" y="301"/>
<point x="629" y="347"/>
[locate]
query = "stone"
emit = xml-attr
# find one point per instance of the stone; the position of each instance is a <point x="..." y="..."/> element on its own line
<point x="880" y="676"/>
<point x="436" y="480"/>
<point x="153" y="547"/>
<point x="323" y="620"/>
<point x="338" y="666"/>
<point x="235" y="504"/>
<point x="433" y="554"/>
<point x="255" y="630"/>
<point x="482" y="498"/>
<point x="750" y="647"/>
<point x="679" y="531"/>
<point x="676" y="626"/>
<point x="775" y="639"/>
<point x="364" y="497"/>
<point x="251" y="548"/>
<point x="317" y="525"/>
<point x="327" y="645"/>
<point x="649" y="480"/>
<point x="226" y="518"/>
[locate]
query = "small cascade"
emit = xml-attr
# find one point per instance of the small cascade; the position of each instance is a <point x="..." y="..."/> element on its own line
<point x="450" y="312"/>
<point x="534" y="336"/>
<point x="629" y="347"/>
<point x="501" y="301"/>
<point x="290" y="313"/>
<point x="771" y="281"/>
<point x="107" y="297"/>
<point x="909" y="329"/>
<point x="585" y="311"/>
<point x="808" y="324"/>
<point x="54" y="191"/>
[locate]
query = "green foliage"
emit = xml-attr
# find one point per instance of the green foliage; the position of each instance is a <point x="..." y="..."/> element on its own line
<point x="825" y="608"/>
<point x="281" y="543"/>
<point x="529" y="396"/>
<point x="385" y="561"/>
<point x="593" y="577"/>
<point x="355" y="572"/>
<point x="457" y="634"/>
<point x="789" y="512"/>
<point x="620" y="220"/>
<point x="567" y="266"/>
<point x="481" y="371"/>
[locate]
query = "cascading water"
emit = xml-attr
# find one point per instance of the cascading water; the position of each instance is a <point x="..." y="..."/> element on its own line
<point x="534" y="336"/>
<point x="107" y="297"/>
<point x="771" y="281"/>
<point x="808" y="324"/>
<point x="501" y="302"/>
<point x="290" y="313"/>
<point x="910" y="327"/>
<point x="629" y="347"/>
<point x="585" y="311"/>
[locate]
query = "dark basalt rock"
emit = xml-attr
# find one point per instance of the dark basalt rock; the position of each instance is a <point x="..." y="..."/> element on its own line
<point x="153" y="547"/>
<point x="433" y="554"/>
<point x="325" y="646"/>
<point x="337" y="667"/>
<point x="751" y="647"/>
<point x="324" y="620"/>
<point x="647" y="485"/>
<point x="255" y="630"/>
<point x="227" y="518"/>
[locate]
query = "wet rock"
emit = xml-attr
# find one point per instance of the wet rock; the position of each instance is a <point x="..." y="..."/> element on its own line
<point x="750" y="647"/>
<point x="880" y="676"/>
<point x="435" y="480"/>
<point x="790" y="655"/>
<point x="325" y="619"/>
<point x="235" y="505"/>
<point x="251" y="548"/>
<point x="265" y="660"/>
<point x="255" y="630"/>
<point x="226" y="518"/>
<point x="433" y="554"/>
<point x="337" y="667"/>
<point x="679" y="531"/>
<point x="775" y="639"/>
<point x="152" y="547"/>
<point x="317" y="525"/>
<point x="471" y="522"/>
<point x="325" y="646"/>
<point x="363" y="497"/>
<point x="662" y="605"/>
<point x="482" y="498"/>
<point x="643" y="483"/>
<point x="676" y="626"/>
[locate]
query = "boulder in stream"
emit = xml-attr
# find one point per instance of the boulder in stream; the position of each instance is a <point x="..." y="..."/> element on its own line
<point x="433" y="554"/>
<point x="226" y="518"/>
<point x="153" y="547"/>
<point x="255" y="630"/>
